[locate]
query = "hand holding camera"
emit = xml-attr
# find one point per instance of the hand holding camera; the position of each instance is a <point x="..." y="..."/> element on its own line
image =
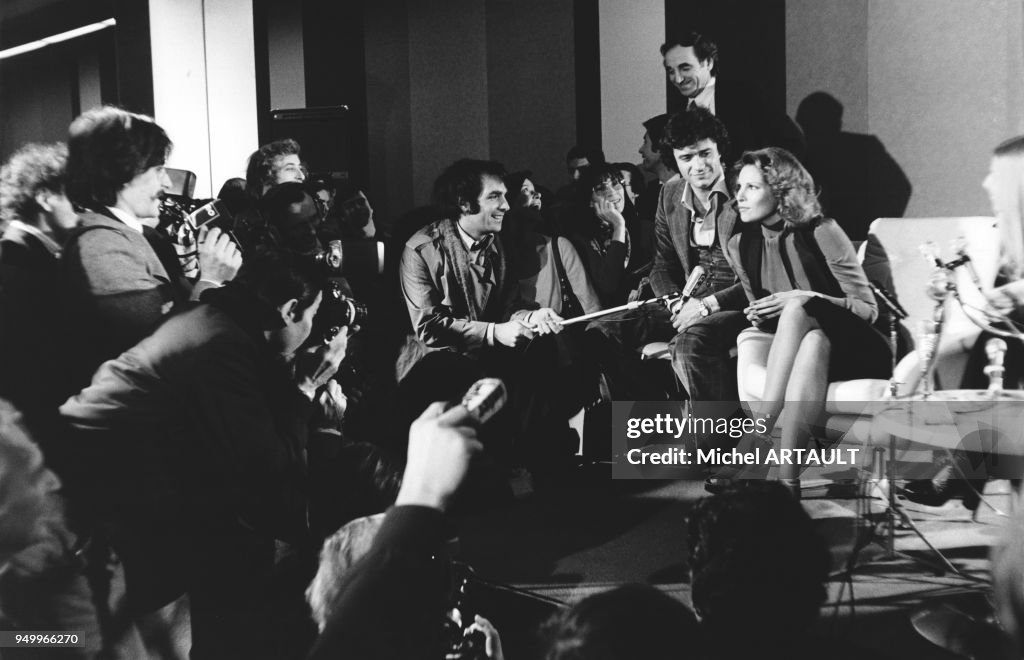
<point x="316" y="365"/>
<point x="219" y="256"/>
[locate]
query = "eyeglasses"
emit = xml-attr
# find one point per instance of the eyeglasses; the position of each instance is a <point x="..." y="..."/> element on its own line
<point x="607" y="186"/>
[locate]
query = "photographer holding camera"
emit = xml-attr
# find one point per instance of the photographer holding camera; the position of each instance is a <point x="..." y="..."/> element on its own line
<point x="188" y="451"/>
<point x="114" y="285"/>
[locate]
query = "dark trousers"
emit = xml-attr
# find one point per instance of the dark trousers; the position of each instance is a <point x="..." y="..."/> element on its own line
<point x="702" y="354"/>
<point x="701" y="357"/>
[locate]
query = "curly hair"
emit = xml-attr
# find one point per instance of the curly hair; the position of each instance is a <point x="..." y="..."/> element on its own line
<point x="107" y="148"/>
<point x="689" y="127"/>
<point x="260" y="170"/>
<point x="33" y="169"/>
<point x="790" y="183"/>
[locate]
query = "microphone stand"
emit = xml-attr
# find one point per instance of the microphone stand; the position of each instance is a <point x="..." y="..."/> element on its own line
<point x="896" y="314"/>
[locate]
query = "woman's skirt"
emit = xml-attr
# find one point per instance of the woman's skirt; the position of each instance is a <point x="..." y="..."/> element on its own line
<point x="858" y="349"/>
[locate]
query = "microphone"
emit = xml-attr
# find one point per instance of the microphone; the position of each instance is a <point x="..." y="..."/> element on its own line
<point x="938" y="286"/>
<point x="696" y="278"/>
<point x="888" y="300"/>
<point x="964" y="259"/>
<point x="995" y="351"/>
<point x="930" y="251"/>
<point x="485" y="398"/>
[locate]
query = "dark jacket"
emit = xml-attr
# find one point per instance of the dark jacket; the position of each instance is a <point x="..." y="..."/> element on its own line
<point x="392" y="602"/>
<point x="30" y="324"/>
<point x="203" y="426"/>
<point x="672" y="255"/>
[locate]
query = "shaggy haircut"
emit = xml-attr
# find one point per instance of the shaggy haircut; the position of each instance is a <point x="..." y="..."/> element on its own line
<point x="33" y="169"/>
<point x="791" y="184"/>
<point x="107" y="148"/>
<point x="260" y="170"/>
<point x="689" y="127"/>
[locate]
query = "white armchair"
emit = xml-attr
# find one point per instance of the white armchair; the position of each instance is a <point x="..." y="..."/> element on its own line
<point x="901" y="238"/>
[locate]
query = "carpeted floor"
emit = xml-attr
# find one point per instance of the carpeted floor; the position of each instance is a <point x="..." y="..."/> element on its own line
<point x="568" y="542"/>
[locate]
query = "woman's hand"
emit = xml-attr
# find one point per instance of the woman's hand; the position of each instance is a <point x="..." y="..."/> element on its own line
<point x="606" y="213"/>
<point x="771" y="306"/>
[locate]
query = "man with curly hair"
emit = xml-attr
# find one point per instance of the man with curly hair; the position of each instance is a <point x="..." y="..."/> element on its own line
<point x="273" y="163"/>
<point x="36" y="216"/>
<point x="693" y="224"/>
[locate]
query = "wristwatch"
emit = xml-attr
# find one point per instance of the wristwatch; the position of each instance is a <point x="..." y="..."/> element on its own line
<point x="705" y="310"/>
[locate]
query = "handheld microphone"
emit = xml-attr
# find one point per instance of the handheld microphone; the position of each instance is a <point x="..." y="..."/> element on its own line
<point x="485" y="398"/>
<point x="696" y="278"/>
<point x="995" y="351"/>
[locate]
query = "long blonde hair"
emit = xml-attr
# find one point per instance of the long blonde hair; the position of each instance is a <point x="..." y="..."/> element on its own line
<point x="1008" y="199"/>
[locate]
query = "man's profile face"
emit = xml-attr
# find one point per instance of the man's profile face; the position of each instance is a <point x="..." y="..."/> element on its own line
<point x="288" y="168"/>
<point x="297" y="327"/>
<point x="650" y="157"/>
<point x="493" y="206"/>
<point x="685" y="71"/>
<point x="700" y="163"/>
<point x="575" y="166"/>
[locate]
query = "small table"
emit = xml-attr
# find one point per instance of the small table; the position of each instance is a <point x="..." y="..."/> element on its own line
<point x="973" y="420"/>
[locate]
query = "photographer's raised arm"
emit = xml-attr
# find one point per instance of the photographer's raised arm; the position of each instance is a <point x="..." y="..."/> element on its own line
<point x="392" y="601"/>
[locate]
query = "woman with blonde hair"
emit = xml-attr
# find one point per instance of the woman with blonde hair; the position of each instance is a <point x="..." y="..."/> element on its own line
<point x="807" y="288"/>
<point x="1005" y="187"/>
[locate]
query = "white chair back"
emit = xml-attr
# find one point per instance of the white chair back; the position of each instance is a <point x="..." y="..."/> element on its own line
<point x="902" y="238"/>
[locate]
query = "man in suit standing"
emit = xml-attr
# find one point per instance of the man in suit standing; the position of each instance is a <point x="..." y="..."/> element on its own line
<point x="691" y="64"/>
<point x="693" y="224"/>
